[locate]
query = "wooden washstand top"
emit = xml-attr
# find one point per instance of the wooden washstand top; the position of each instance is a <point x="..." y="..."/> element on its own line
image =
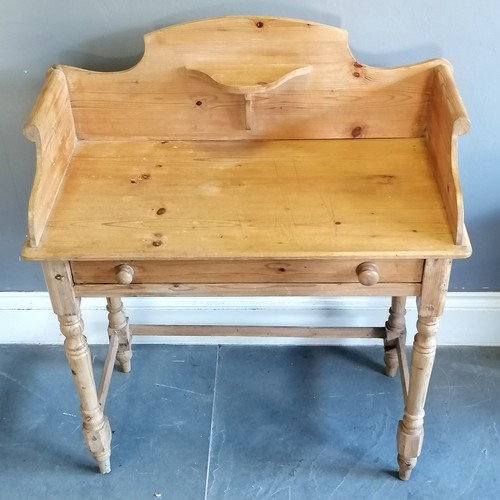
<point x="241" y="138"/>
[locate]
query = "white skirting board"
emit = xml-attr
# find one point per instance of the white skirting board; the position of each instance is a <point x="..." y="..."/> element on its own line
<point x="469" y="319"/>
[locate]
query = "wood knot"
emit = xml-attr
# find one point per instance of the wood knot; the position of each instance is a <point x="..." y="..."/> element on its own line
<point x="356" y="132"/>
<point x="145" y="177"/>
<point x="161" y="211"/>
<point x="199" y="103"/>
<point x="357" y="64"/>
<point x="259" y="24"/>
<point x="356" y="74"/>
<point x="278" y="267"/>
<point x="157" y="243"/>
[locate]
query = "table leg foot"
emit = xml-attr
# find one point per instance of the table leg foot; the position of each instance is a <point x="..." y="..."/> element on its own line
<point x="409" y="444"/>
<point x="119" y="325"/>
<point x="97" y="436"/>
<point x="104" y="466"/>
<point x="125" y="366"/>
<point x="405" y="467"/>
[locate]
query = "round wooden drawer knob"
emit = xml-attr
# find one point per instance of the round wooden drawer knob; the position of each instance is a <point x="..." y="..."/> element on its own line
<point x="124" y="274"/>
<point x="367" y="273"/>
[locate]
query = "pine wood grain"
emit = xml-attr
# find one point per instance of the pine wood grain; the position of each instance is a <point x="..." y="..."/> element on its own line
<point x="245" y="271"/>
<point x="355" y="332"/>
<point x="96" y="429"/>
<point x="248" y="156"/>
<point x="430" y="307"/>
<point x="51" y="126"/>
<point x="247" y="79"/>
<point x="246" y="290"/>
<point x="447" y="120"/>
<point x="157" y="99"/>
<point x="107" y="371"/>
<point x="251" y="199"/>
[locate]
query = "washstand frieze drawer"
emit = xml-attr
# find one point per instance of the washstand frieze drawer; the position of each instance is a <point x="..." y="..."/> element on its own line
<point x="366" y="272"/>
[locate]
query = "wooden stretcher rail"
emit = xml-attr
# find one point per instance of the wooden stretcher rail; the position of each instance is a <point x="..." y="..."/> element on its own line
<point x="259" y="331"/>
<point x="107" y="370"/>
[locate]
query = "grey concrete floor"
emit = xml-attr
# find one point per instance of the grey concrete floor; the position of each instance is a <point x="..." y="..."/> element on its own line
<point x="249" y="422"/>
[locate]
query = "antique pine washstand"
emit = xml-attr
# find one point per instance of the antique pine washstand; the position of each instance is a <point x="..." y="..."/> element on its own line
<point x="248" y="156"/>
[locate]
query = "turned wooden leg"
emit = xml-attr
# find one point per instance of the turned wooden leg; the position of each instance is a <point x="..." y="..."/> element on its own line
<point x="96" y="429"/>
<point x="119" y="326"/>
<point x="395" y="332"/>
<point x="430" y="306"/>
<point x="411" y="428"/>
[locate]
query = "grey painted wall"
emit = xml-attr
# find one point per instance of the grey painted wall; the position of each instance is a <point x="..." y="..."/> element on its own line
<point x="107" y="35"/>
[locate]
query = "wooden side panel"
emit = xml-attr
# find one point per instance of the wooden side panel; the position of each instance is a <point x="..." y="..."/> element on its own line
<point x="339" y="98"/>
<point x="447" y="120"/>
<point x="51" y="126"/>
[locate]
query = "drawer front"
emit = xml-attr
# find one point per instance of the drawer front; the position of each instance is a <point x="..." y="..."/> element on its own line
<point x="251" y="271"/>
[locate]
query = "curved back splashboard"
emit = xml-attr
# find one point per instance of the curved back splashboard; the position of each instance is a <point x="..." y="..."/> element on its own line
<point x="337" y="97"/>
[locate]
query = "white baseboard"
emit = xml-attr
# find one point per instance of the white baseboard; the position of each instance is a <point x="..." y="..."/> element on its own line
<point x="469" y="319"/>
